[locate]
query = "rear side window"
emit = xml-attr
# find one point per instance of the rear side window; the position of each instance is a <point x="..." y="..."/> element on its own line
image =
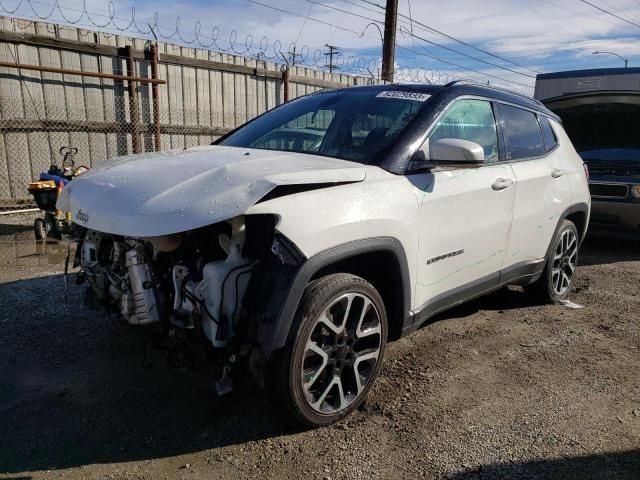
<point x="522" y="133"/>
<point x="550" y="139"/>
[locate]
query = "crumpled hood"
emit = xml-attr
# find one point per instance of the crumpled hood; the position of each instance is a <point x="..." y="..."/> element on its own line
<point x="162" y="193"/>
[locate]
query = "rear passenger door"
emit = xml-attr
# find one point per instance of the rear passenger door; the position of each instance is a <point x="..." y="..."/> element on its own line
<point x="542" y="190"/>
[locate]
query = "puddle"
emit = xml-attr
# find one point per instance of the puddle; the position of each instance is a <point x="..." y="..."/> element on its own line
<point x="24" y="250"/>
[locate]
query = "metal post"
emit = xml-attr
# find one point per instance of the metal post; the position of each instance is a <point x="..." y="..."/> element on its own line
<point x="155" y="96"/>
<point x="389" y="43"/>
<point x="133" y="102"/>
<point x="285" y="83"/>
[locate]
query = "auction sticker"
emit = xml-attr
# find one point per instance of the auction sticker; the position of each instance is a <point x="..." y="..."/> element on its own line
<point x="401" y="95"/>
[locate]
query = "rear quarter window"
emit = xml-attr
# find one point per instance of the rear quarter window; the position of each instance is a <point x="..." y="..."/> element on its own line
<point x="522" y="133"/>
<point x="550" y="139"/>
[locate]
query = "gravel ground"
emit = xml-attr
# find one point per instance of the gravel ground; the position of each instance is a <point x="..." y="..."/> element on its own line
<point x="499" y="388"/>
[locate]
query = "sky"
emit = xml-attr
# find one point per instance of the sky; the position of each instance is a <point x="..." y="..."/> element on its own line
<point x="504" y="42"/>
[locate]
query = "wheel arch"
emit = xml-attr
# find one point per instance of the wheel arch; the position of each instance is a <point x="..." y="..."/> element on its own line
<point x="579" y="215"/>
<point x="390" y="276"/>
<point x="580" y="219"/>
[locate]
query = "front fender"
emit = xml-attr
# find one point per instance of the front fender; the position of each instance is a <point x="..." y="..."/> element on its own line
<point x="284" y="321"/>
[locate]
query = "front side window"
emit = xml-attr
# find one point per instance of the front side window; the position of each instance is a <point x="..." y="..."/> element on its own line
<point x="357" y="125"/>
<point x="522" y="133"/>
<point x="471" y="120"/>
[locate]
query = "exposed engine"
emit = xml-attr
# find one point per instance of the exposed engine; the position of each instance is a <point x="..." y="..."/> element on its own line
<point x="193" y="280"/>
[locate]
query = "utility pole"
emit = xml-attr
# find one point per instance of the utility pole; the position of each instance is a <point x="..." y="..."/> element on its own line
<point x="293" y="56"/>
<point x="389" y="42"/>
<point x="333" y="50"/>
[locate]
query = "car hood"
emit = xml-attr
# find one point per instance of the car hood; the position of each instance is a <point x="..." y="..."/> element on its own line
<point x="162" y="193"/>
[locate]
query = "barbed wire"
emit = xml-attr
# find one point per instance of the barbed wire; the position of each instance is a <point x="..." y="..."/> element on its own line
<point x="212" y="39"/>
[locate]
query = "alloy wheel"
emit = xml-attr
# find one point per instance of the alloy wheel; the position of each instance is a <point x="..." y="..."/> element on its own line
<point x="341" y="353"/>
<point x="564" y="262"/>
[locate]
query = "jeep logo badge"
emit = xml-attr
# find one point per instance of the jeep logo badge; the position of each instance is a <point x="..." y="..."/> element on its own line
<point x="82" y="217"/>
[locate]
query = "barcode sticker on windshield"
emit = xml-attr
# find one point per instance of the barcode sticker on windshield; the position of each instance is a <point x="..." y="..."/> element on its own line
<point x="400" y="95"/>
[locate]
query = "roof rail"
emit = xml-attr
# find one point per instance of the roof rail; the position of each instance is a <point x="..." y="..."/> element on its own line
<point x="493" y="87"/>
<point x="453" y="82"/>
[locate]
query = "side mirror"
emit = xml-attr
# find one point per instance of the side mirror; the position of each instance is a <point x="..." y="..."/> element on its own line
<point x="452" y="152"/>
<point x="456" y="150"/>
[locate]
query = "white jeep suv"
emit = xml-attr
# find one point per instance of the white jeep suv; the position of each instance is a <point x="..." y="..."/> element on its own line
<point x="300" y="243"/>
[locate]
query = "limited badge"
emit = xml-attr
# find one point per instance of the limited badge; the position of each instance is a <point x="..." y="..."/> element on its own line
<point x="445" y="256"/>
<point x="402" y="95"/>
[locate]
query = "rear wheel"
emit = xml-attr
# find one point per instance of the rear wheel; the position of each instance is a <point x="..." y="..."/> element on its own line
<point x="559" y="271"/>
<point x="334" y="352"/>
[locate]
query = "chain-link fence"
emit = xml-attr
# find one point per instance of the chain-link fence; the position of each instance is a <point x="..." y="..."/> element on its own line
<point x="69" y="87"/>
<point x="32" y="135"/>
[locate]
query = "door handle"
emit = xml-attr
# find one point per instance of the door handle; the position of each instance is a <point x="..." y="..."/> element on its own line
<point x="501" y="183"/>
<point x="557" y="173"/>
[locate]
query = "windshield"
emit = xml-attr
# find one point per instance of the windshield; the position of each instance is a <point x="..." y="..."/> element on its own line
<point x="358" y="125"/>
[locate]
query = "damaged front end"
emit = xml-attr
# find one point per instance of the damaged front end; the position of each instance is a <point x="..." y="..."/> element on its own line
<point x="214" y="284"/>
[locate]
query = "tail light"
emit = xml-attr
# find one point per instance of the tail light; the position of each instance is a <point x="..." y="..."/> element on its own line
<point x="586" y="170"/>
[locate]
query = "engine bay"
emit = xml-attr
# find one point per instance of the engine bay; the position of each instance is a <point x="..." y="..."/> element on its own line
<point x="193" y="282"/>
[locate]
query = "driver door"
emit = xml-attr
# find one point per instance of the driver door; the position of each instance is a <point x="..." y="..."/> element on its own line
<point x="465" y="213"/>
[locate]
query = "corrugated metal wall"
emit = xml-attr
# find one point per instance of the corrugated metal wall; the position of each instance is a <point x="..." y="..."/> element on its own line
<point x="206" y="94"/>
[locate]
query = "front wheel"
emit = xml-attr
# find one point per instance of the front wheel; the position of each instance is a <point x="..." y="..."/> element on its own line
<point x="559" y="271"/>
<point x="52" y="227"/>
<point x="334" y="351"/>
<point x="39" y="229"/>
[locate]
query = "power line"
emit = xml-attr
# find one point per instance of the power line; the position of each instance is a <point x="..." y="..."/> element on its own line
<point x="302" y="16"/>
<point x="351" y="2"/>
<point x="584" y="14"/>
<point x="462" y="42"/>
<point x="335" y="30"/>
<point x="611" y="13"/>
<point x="617" y="10"/>
<point x="373" y="3"/>
<point x="413" y="35"/>
<point x="398" y="46"/>
<point x="434" y="57"/>
<point x="347" y="12"/>
<point x="561" y="27"/>
<point x="471" y="56"/>
<point x="304" y="23"/>
<point x="569" y="47"/>
<point x="363" y="53"/>
<point x="413" y="43"/>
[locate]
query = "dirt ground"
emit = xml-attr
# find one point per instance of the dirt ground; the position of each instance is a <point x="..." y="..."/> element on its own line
<point x="501" y="388"/>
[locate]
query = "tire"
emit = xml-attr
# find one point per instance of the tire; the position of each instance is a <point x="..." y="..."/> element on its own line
<point x="340" y="328"/>
<point x="52" y="227"/>
<point x="39" y="229"/>
<point x="555" y="283"/>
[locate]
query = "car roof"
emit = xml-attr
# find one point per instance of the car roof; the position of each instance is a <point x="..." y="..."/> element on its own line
<point x="459" y="88"/>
